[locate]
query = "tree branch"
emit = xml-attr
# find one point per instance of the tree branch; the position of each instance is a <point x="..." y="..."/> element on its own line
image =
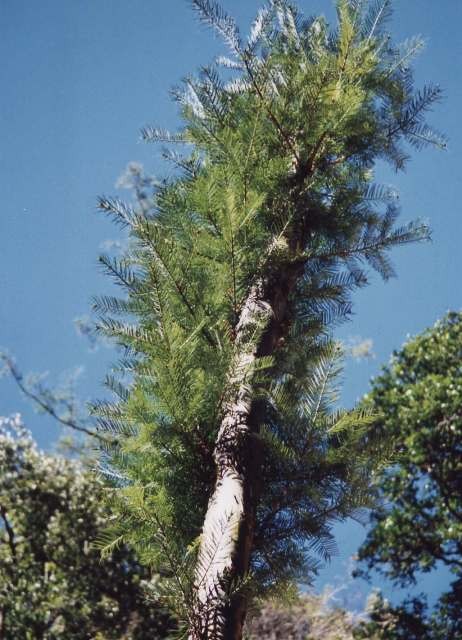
<point x="9" y="533"/>
<point x="48" y="408"/>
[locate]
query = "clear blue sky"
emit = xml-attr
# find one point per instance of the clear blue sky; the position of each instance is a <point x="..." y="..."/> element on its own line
<point x="79" y="78"/>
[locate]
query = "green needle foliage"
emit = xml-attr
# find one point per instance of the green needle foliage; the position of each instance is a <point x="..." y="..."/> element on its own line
<point x="419" y="526"/>
<point x="273" y="202"/>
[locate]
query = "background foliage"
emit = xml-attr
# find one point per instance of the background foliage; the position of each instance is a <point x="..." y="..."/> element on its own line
<point x="419" y="525"/>
<point x="53" y="583"/>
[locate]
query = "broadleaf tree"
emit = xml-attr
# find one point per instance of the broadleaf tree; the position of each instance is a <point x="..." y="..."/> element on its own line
<point x="232" y="464"/>
<point x="418" y="526"/>
<point x="53" y="583"/>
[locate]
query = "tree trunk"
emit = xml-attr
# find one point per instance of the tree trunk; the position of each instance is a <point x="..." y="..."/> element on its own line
<point x="227" y="538"/>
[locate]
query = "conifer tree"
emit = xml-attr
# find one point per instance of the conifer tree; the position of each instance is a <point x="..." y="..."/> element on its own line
<point x="230" y="461"/>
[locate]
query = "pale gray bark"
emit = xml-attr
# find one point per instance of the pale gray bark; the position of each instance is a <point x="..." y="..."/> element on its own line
<point x="227" y="536"/>
<point x="227" y="532"/>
